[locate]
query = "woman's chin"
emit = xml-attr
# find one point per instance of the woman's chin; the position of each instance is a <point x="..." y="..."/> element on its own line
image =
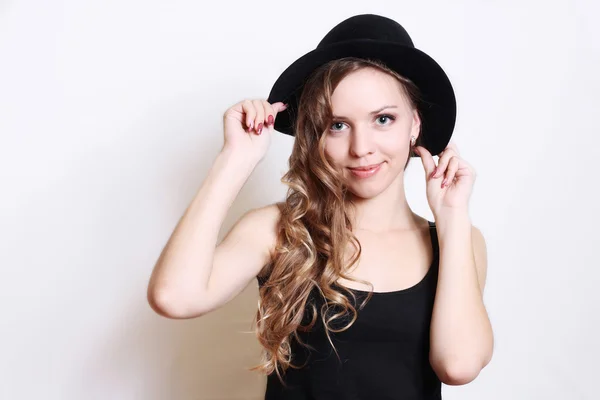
<point x="369" y="188"/>
<point x="366" y="190"/>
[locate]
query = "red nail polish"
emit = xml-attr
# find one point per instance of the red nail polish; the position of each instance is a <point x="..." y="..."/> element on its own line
<point x="259" y="129"/>
<point x="270" y="120"/>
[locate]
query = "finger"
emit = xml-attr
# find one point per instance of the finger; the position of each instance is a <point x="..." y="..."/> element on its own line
<point x="279" y="107"/>
<point x="451" y="171"/>
<point x="443" y="161"/>
<point x="426" y="159"/>
<point x="269" y="113"/>
<point x="465" y="169"/>
<point x="451" y="146"/>
<point x="250" y="114"/>
<point x="259" y="121"/>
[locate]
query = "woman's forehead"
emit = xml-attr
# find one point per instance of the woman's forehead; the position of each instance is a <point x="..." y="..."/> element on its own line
<point x="366" y="90"/>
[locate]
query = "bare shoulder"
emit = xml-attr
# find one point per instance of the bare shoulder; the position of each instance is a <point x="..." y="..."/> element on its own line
<point x="263" y="220"/>
<point x="268" y="214"/>
<point x="258" y="228"/>
<point x="262" y="225"/>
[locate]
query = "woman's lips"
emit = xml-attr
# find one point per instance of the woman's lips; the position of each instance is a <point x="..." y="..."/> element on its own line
<point x="365" y="172"/>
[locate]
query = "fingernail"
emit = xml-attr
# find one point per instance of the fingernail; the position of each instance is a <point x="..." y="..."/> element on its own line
<point x="433" y="173"/>
<point x="250" y="125"/>
<point x="270" y="120"/>
<point x="259" y="129"/>
<point x="444" y="182"/>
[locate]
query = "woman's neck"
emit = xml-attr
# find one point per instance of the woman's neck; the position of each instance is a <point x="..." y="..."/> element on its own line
<point x="385" y="212"/>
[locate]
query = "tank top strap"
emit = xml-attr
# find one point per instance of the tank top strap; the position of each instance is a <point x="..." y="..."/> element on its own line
<point x="434" y="239"/>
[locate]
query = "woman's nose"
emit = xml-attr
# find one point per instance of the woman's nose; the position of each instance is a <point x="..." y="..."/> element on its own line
<point x="361" y="142"/>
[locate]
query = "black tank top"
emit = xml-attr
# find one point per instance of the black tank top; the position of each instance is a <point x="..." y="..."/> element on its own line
<point x="384" y="354"/>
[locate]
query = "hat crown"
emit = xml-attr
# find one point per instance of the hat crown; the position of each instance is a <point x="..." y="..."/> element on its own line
<point x="367" y="26"/>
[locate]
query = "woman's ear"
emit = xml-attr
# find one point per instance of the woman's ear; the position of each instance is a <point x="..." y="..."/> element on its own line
<point x="416" y="124"/>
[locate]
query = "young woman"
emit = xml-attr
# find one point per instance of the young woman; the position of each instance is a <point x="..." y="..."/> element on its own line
<point x="360" y="298"/>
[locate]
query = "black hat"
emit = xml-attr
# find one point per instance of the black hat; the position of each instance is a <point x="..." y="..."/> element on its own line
<point x="375" y="37"/>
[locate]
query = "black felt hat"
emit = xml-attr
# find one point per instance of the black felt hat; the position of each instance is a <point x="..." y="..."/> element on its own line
<point x="375" y="37"/>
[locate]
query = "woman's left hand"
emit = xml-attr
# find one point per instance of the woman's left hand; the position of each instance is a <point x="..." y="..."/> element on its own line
<point x="450" y="183"/>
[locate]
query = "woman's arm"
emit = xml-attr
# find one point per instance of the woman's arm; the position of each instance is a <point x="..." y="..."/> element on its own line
<point x="461" y="333"/>
<point x="191" y="276"/>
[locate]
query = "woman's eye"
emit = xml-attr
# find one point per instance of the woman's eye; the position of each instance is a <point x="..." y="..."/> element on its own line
<point x="382" y="120"/>
<point x="337" y="124"/>
<point x="385" y="117"/>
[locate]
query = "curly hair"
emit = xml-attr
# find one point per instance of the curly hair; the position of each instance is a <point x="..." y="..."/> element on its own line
<point x="315" y="226"/>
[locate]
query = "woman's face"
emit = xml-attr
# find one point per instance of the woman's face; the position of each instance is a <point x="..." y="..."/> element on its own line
<point x="364" y="134"/>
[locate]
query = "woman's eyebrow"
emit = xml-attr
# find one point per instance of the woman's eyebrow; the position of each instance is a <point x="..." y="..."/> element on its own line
<point x="372" y="112"/>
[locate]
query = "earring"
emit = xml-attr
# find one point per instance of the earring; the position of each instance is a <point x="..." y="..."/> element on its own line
<point x="412" y="140"/>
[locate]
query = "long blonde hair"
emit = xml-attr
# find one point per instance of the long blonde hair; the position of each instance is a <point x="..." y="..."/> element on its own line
<point x="315" y="226"/>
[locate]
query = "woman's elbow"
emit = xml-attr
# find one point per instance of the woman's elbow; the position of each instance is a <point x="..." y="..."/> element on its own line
<point x="456" y="375"/>
<point x="459" y="372"/>
<point x="172" y="306"/>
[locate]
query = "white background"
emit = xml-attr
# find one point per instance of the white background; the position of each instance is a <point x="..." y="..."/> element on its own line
<point x="110" y="116"/>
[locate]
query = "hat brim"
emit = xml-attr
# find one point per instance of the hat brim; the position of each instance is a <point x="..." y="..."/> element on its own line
<point x="438" y="109"/>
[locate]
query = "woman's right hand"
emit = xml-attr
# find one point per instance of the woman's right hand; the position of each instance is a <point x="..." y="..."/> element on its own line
<point x="248" y="126"/>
